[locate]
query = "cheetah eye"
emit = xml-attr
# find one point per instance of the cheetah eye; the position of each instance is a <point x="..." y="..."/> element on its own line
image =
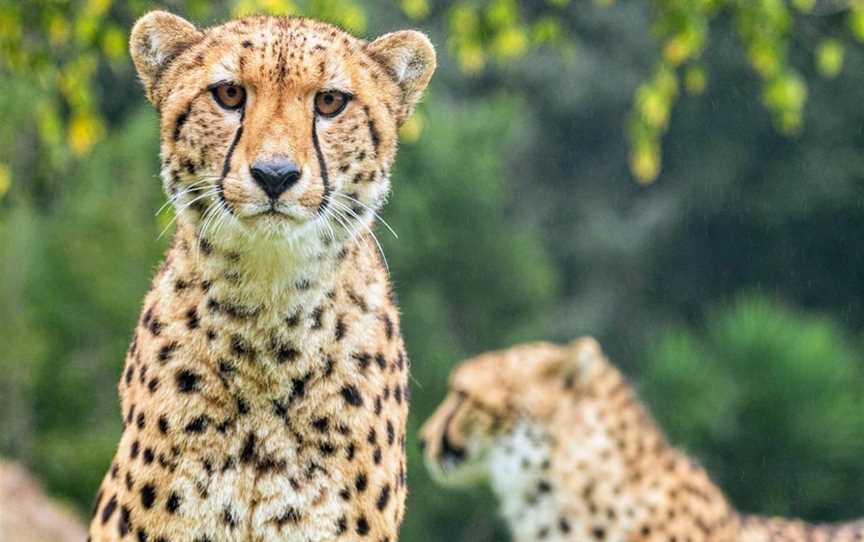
<point x="229" y="96"/>
<point x="330" y="103"/>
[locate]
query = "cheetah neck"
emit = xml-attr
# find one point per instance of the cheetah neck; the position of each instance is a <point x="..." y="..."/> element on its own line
<point x="263" y="300"/>
<point x="600" y="469"/>
<point x="261" y="275"/>
<point x="520" y="464"/>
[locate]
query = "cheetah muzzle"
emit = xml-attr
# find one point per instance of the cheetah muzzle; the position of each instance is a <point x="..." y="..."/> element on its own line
<point x="265" y="394"/>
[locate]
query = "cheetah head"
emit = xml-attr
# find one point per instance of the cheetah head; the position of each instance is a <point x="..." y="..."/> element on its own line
<point x="494" y="395"/>
<point x="276" y="127"/>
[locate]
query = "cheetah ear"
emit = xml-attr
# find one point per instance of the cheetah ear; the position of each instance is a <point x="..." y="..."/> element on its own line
<point x="156" y="40"/>
<point x="584" y="356"/>
<point x="409" y="58"/>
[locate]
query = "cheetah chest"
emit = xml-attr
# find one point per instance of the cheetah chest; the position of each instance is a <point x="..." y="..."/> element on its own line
<point x="304" y="472"/>
<point x="263" y="485"/>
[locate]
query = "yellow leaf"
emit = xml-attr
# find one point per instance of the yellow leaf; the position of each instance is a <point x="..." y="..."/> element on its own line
<point x="653" y="102"/>
<point x="645" y="163"/>
<point x="114" y="43"/>
<point x="785" y="97"/>
<point x="353" y="18"/>
<point x="545" y="30"/>
<point x="58" y="30"/>
<point x="666" y="82"/>
<point x="83" y="132"/>
<point x="511" y="43"/>
<point x="472" y="59"/>
<point x="273" y="7"/>
<point x="10" y="25"/>
<point x="765" y="60"/>
<point x="5" y="179"/>
<point x="856" y="20"/>
<point x="695" y="80"/>
<point x="277" y="7"/>
<point x="411" y="131"/>
<point x="683" y="46"/>
<point x="463" y="20"/>
<point x="416" y="9"/>
<point x="502" y="13"/>
<point x="790" y="122"/>
<point x="829" y="58"/>
<point x="788" y="92"/>
<point x="97" y="8"/>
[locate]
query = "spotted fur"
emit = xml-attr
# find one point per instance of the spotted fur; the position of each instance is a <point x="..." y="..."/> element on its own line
<point x="572" y="455"/>
<point x="265" y="391"/>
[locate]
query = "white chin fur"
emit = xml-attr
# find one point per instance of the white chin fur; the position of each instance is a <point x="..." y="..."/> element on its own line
<point x="466" y="474"/>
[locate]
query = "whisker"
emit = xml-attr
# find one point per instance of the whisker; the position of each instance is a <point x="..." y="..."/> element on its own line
<point x="343" y="221"/>
<point x="367" y="228"/>
<point x="178" y="195"/>
<point x="209" y="215"/>
<point x="329" y="212"/>
<point x="373" y="211"/>
<point x="325" y="220"/>
<point x="184" y="207"/>
<point x="197" y="186"/>
<point x="221" y="220"/>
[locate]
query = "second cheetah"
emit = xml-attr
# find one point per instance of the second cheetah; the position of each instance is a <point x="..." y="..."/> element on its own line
<point x="572" y="455"/>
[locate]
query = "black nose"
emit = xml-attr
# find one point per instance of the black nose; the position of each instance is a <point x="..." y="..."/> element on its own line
<point x="275" y="176"/>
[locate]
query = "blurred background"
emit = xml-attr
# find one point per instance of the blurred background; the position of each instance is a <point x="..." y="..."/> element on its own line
<point x="683" y="179"/>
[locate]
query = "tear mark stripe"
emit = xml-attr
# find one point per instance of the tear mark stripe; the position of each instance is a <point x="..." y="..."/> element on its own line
<point x="226" y="167"/>
<point x="322" y="165"/>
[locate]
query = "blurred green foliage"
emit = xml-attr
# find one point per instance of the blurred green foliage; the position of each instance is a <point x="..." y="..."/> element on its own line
<point x="763" y="384"/>
<point x="516" y="217"/>
<point x="467" y="276"/>
<point x="65" y="48"/>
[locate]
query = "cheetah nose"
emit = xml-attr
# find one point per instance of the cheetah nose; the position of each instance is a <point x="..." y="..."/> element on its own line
<point x="275" y="176"/>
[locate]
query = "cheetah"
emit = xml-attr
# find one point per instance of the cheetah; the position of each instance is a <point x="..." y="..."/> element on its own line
<point x="265" y="391"/>
<point x="572" y="454"/>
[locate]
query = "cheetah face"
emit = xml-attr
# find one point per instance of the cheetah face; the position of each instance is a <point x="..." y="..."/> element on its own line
<point x="458" y="437"/>
<point x="493" y="398"/>
<point x="278" y="127"/>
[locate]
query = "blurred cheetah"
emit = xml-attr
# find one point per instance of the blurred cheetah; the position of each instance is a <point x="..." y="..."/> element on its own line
<point x="265" y="390"/>
<point x="573" y="455"/>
